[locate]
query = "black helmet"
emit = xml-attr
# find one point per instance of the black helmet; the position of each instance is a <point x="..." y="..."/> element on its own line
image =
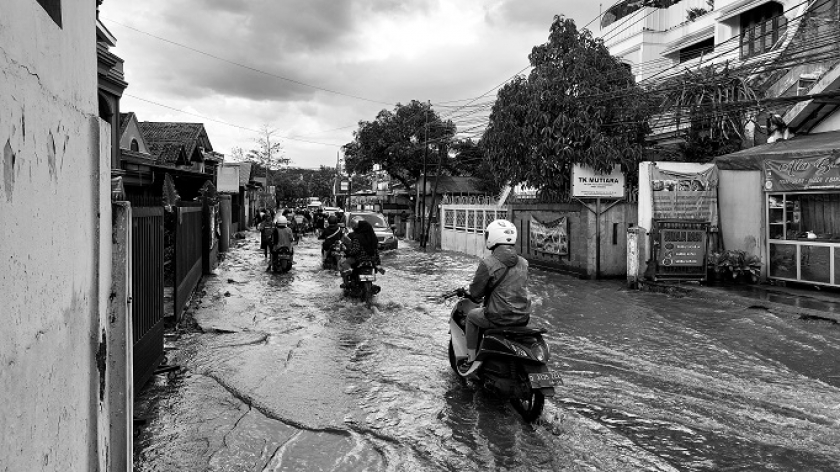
<point x="332" y="220"/>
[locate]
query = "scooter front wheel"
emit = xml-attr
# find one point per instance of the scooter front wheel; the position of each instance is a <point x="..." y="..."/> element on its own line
<point x="453" y="362"/>
<point x="530" y="407"/>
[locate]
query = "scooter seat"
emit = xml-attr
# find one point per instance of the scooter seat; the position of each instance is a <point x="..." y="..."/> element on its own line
<point x="516" y="331"/>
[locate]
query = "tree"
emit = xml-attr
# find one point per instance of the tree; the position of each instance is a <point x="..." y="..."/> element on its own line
<point x="578" y="105"/>
<point x="471" y="159"/>
<point x="708" y="100"/>
<point x="269" y="152"/>
<point x="397" y="140"/>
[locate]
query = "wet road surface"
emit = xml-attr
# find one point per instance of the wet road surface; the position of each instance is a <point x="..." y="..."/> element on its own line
<point x="288" y="375"/>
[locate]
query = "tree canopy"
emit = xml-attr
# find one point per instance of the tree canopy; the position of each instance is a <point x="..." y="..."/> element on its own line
<point x="579" y="104"/>
<point x="396" y="141"/>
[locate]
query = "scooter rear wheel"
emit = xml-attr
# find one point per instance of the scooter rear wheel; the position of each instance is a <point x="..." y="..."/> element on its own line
<point x="531" y="407"/>
<point x="367" y="293"/>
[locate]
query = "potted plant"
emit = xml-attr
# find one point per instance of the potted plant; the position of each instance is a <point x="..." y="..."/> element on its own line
<point x="736" y="265"/>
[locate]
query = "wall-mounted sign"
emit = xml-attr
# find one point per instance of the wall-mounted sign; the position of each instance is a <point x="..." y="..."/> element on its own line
<point x="345" y="185"/>
<point x="586" y="183"/>
<point x="549" y="237"/>
<point x="807" y="173"/>
<point x="228" y="178"/>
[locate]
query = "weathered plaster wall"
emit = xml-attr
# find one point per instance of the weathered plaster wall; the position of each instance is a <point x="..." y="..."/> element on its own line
<point x="54" y="262"/>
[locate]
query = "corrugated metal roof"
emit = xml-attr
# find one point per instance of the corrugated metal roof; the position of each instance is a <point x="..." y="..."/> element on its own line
<point x="808" y="145"/>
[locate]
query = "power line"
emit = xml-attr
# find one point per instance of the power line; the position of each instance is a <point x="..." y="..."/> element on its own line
<point x="224" y="122"/>
<point x="244" y="66"/>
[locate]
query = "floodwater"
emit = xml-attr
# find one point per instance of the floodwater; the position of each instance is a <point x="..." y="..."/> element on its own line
<point x="288" y="375"/>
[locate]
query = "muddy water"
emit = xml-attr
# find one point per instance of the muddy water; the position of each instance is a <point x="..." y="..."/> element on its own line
<point x="288" y="375"/>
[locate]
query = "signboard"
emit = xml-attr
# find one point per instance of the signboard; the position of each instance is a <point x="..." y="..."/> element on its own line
<point x="679" y="249"/>
<point x="228" y="178"/>
<point x="807" y="173"/>
<point x="682" y="247"/>
<point x="586" y="183"/>
<point x="345" y="185"/>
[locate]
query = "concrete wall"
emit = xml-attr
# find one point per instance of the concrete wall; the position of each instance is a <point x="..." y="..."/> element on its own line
<point x="741" y="202"/>
<point x="55" y="231"/>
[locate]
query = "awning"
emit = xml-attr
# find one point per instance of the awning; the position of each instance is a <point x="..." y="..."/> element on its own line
<point x="686" y="41"/>
<point x="804" y="145"/>
<point x="736" y="8"/>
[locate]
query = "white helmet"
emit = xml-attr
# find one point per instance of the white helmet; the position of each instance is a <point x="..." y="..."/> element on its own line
<point x="499" y="232"/>
<point x="281" y="220"/>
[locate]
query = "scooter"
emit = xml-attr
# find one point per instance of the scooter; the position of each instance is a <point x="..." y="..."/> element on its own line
<point x="281" y="259"/>
<point x="332" y="256"/>
<point x="510" y="361"/>
<point x="360" y="282"/>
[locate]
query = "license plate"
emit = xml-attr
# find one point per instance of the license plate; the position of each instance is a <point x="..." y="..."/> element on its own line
<point x="283" y="256"/>
<point x="545" y="379"/>
<point x="367" y="278"/>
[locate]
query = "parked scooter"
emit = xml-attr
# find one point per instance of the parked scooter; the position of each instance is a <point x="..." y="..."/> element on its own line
<point x="282" y="259"/>
<point x="360" y="283"/>
<point x="510" y="361"/>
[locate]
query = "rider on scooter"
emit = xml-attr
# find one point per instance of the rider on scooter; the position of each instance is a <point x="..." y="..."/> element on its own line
<point x="282" y="236"/>
<point x="501" y="282"/>
<point x="362" y="246"/>
<point x="331" y="234"/>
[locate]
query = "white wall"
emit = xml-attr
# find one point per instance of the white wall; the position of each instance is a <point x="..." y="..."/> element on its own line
<point x="132" y="131"/>
<point x="741" y="203"/>
<point x="54" y="260"/>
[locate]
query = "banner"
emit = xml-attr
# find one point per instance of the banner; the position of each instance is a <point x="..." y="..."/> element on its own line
<point x="807" y="173"/>
<point x="691" y="196"/>
<point x="549" y="238"/>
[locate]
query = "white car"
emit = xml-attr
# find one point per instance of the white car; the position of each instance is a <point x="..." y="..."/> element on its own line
<point x="384" y="233"/>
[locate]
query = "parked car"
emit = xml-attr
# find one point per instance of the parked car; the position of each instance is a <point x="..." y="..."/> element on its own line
<point x="384" y="233"/>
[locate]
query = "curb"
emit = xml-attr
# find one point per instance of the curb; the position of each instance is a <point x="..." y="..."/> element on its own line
<point x="699" y="291"/>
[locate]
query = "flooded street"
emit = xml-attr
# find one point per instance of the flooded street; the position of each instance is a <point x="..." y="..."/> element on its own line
<point x="288" y="375"/>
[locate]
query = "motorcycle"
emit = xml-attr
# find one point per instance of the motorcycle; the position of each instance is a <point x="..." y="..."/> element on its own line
<point x="510" y="361"/>
<point x="360" y="283"/>
<point x="333" y="255"/>
<point x="281" y="259"/>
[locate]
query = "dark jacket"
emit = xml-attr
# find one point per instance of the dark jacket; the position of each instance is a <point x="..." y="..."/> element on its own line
<point x="509" y="303"/>
<point x="357" y="252"/>
<point x="330" y="235"/>
<point x="282" y="237"/>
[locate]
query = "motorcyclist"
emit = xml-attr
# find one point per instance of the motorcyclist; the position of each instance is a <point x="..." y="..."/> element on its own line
<point x="330" y="235"/>
<point x="282" y="236"/>
<point x="363" y="247"/>
<point x="501" y="282"/>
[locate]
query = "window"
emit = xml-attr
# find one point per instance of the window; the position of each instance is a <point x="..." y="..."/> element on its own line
<point x="135" y="146"/>
<point x="696" y="50"/>
<point x="53" y="8"/>
<point x="762" y="29"/>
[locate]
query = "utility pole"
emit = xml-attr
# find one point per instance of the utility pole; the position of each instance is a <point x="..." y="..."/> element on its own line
<point x="423" y="188"/>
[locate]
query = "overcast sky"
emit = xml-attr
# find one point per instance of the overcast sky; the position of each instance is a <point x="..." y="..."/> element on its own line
<point x="296" y="53"/>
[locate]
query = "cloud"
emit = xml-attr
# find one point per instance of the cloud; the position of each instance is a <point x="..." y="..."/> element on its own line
<point x="386" y="51"/>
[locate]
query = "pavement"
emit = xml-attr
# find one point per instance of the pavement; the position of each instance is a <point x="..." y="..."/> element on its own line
<point x="805" y="301"/>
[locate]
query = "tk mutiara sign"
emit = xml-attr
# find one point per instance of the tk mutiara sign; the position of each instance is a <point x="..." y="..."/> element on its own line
<point x="586" y="183"/>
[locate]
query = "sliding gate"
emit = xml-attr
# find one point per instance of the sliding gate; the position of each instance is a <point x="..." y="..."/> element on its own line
<point x="188" y="249"/>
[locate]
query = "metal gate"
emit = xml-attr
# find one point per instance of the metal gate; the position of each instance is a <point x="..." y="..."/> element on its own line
<point x="147" y="288"/>
<point x="463" y="226"/>
<point x="188" y="260"/>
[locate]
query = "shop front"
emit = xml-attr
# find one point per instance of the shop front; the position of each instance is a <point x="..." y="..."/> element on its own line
<point x="800" y="185"/>
<point x="803" y="219"/>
